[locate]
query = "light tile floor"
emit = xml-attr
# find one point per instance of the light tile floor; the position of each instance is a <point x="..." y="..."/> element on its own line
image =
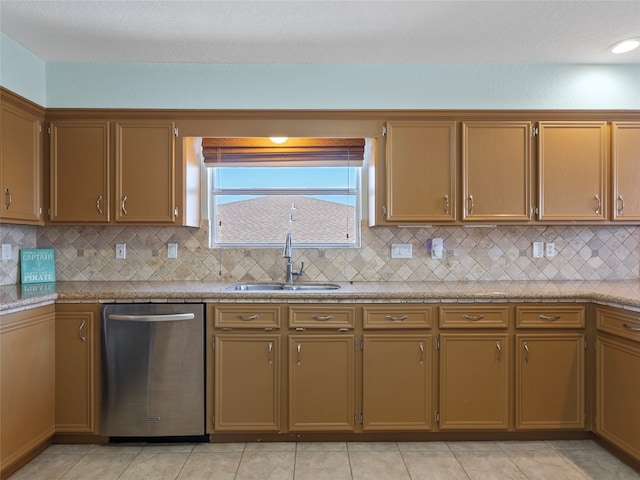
<point x="518" y="460"/>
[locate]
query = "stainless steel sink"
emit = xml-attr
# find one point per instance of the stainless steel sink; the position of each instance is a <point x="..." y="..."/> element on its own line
<point x="274" y="286"/>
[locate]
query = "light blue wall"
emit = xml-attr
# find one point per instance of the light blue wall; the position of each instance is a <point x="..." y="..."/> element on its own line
<point x="343" y="86"/>
<point x="21" y="71"/>
<point x="312" y="86"/>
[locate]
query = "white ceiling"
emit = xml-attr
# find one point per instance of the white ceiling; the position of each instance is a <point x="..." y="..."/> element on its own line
<point x="323" y="31"/>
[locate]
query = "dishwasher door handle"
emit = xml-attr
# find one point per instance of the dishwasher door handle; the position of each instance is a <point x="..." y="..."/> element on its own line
<point x="152" y="318"/>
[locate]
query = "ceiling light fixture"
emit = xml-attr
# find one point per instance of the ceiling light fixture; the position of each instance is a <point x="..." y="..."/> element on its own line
<point x="625" y="45"/>
<point x="278" y="140"/>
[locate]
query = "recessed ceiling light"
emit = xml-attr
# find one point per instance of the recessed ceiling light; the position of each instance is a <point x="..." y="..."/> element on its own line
<point x="625" y="45"/>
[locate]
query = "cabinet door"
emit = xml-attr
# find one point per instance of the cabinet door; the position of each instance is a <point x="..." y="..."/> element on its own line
<point x="247" y="382"/>
<point x="20" y="166"/>
<point x="145" y="172"/>
<point x="617" y="394"/>
<point x="550" y="381"/>
<point x="321" y="382"/>
<point x="397" y="389"/>
<point x="496" y="171"/>
<point x="474" y="381"/>
<point x="27" y="376"/>
<point x="573" y="173"/>
<point x="421" y="171"/>
<point x="80" y="172"/>
<point x="77" y="369"/>
<point x="626" y="171"/>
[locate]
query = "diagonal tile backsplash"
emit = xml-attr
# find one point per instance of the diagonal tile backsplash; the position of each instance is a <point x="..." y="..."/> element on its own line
<point x="472" y="253"/>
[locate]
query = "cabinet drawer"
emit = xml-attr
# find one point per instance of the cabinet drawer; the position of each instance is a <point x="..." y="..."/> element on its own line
<point x="472" y="316"/>
<point x="325" y="316"/>
<point x="396" y="316"/>
<point x="247" y="316"/>
<point x="618" y="322"/>
<point x="550" y="316"/>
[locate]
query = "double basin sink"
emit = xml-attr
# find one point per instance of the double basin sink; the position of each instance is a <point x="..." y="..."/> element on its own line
<point x="275" y="286"/>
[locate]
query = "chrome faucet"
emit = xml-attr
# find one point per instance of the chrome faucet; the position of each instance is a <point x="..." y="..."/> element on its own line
<point x="286" y="253"/>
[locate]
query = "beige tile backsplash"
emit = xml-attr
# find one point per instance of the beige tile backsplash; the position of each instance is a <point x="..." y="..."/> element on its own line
<point x="480" y="253"/>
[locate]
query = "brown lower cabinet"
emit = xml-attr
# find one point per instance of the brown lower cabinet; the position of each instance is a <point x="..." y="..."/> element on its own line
<point x="77" y="368"/>
<point x="27" y="376"/>
<point x="322" y="382"/>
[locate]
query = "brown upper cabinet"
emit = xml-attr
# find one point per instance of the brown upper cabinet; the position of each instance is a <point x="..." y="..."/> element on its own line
<point x="625" y="150"/>
<point x="421" y="171"/>
<point x="573" y="171"/>
<point x="20" y="165"/>
<point x="496" y="171"/>
<point x="103" y="172"/>
<point x="79" y="172"/>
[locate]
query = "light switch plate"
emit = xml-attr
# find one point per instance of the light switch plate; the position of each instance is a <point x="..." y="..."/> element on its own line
<point x="538" y="249"/>
<point x="121" y="250"/>
<point x="6" y="252"/>
<point x="172" y="250"/>
<point x="401" y="250"/>
<point x="437" y="247"/>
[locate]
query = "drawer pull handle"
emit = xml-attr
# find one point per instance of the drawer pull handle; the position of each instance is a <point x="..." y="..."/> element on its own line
<point x="630" y="328"/>
<point x="470" y="204"/>
<point x="7" y="194"/>
<point x="321" y="318"/>
<point x="598" y="204"/>
<point x="396" y="319"/>
<point x="473" y="317"/>
<point x="546" y="317"/>
<point x="82" y="337"/>
<point x="250" y="317"/>
<point x="270" y="353"/>
<point x="299" y="349"/>
<point x="526" y="353"/>
<point x="421" y="346"/>
<point x="446" y="204"/>
<point x="122" y="207"/>
<point x="498" y="352"/>
<point x="620" y="204"/>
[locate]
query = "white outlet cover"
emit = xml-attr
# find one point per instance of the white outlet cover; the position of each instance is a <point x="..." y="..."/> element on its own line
<point x="550" y="250"/>
<point x="538" y="249"/>
<point x="172" y="250"/>
<point x="6" y="252"/>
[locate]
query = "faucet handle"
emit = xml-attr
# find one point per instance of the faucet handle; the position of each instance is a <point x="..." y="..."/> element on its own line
<point x="299" y="272"/>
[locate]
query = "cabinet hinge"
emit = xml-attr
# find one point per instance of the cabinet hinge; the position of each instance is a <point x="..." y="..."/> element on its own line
<point x="357" y="418"/>
<point x="437" y="416"/>
<point x="535" y="131"/>
<point x="175" y="132"/>
<point x="384" y="130"/>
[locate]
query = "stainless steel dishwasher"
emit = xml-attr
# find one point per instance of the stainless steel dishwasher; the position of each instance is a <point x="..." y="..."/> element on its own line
<point x="153" y="370"/>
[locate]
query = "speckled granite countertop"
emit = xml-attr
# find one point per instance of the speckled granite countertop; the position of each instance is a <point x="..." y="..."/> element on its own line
<point x="619" y="293"/>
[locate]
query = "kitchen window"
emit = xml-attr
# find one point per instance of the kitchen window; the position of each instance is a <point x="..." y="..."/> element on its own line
<point x="258" y="194"/>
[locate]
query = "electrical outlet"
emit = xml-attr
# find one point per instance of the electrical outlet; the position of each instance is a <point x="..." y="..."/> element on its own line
<point x="172" y="250"/>
<point x="6" y="252"/>
<point x="401" y="250"/>
<point x="549" y="249"/>
<point x="121" y="250"/>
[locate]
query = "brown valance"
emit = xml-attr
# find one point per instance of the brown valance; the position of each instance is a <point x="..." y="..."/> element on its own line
<point x="296" y="151"/>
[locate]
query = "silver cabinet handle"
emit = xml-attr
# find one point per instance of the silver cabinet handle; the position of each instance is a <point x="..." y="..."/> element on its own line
<point x="122" y="207"/>
<point x="526" y="353"/>
<point x="475" y="318"/>
<point x="98" y="207"/>
<point x="620" y="204"/>
<point x="546" y="317"/>
<point x="498" y="352"/>
<point x="321" y="318"/>
<point x="421" y="346"/>
<point x="470" y="203"/>
<point x="250" y="317"/>
<point x="270" y="353"/>
<point x="630" y="328"/>
<point x="82" y="325"/>
<point x="392" y="318"/>
<point x="298" y="357"/>
<point x="598" y="203"/>
<point x="8" y="197"/>
<point x="446" y="204"/>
